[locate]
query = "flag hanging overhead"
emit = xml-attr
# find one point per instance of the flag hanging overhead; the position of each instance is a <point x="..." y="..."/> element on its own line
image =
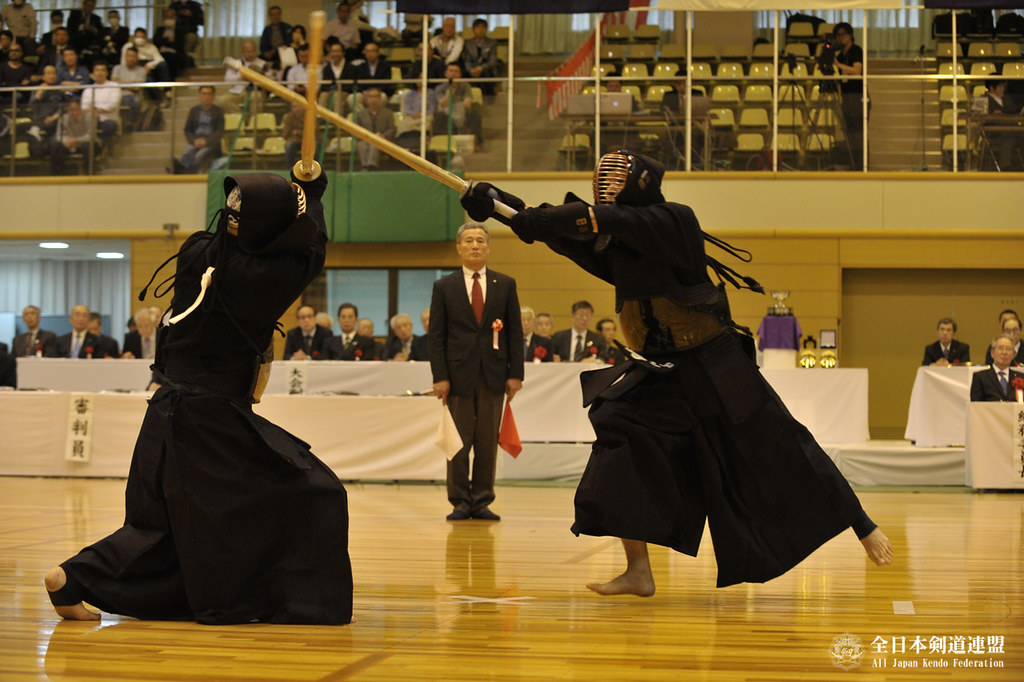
<point x="511" y="6"/>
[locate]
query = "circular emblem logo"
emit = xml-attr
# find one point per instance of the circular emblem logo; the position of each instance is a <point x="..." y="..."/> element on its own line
<point x="846" y="651"/>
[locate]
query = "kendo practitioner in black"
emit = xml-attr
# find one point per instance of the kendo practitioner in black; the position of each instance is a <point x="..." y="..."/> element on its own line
<point x="687" y="429"/>
<point x="228" y="518"/>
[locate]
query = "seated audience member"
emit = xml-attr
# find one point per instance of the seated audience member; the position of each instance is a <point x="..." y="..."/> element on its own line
<point x="190" y="17"/>
<point x="292" y="125"/>
<point x="373" y="71"/>
<point x="15" y="73"/>
<point x="378" y="119"/>
<point x="412" y="112"/>
<point x="20" y="19"/>
<point x="349" y="344"/>
<point x="457" y="99"/>
<point x="234" y="98"/>
<point x="288" y="55"/>
<point x="333" y="76"/>
<point x="612" y="354"/>
<point x="615" y="86"/>
<point x="276" y="34"/>
<point x="46" y="112"/>
<point x="6" y="40"/>
<point x="365" y="328"/>
<point x="106" y="347"/>
<point x="103" y="102"/>
<point x="537" y="348"/>
<point x="1011" y="328"/>
<point x="141" y="343"/>
<point x="74" y="136"/>
<point x="307" y="341"/>
<point x="204" y="129"/>
<point x="544" y="326"/>
<point x="480" y="56"/>
<point x="150" y="59"/>
<point x="344" y="30"/>
<point x="398" y="347"/>
<point x="413" y="33"/>
<point x="79" y="343"/>
<point x="419" y="343"/>
<point x="435" y="65"/>
<point x="169" y="38"/>
<point x="130" y="72"/>
<point x="56" y="22"/>
<point x="8" y="368"/>
<point x="1004" y="147"/>
<point x="296" y="77"/>
<point x="324" y="320"/>
<point x="70" y="72"/>
<point x="115" y="37"/>
<point x="995" y="384"/>
<point x="53" y="53"/>
<point x="947" y="350"/>
<point x="86" y="29"/>
<point x="578" y="344"/>
<point x="448" y="44"/>
<point x="34" y="342"/>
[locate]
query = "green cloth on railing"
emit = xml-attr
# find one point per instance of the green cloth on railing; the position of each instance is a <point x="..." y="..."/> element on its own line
<point x="386" y="206"/>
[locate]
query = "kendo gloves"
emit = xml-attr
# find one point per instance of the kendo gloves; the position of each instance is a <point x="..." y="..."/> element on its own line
<point x="479" y="202"/>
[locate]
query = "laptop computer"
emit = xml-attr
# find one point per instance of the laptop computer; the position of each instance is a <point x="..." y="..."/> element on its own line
<point x="611" y="104"/>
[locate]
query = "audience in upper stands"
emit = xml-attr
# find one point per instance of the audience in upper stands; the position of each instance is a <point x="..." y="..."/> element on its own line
<point x="86" y="29"/>
<point x="128" y="73"/>
<point x="292" y="125"/>
<point x="1005" y="148"/>
<point x="204" y="129"/>
<point x="13" y="73"/>
<point x="115" y="37"/>
<point x="377" y="118"/>
<point x="288" y="55"/>
<point x="105" y="346"/>
<point x="234" y="97"/>
<point x="448" y="44"/>
<point x="947" y="350"/>
<point x="150" y="59"/>
<point x="169" y="38"/>
<point x="20" y="19"/>
<point x="190" y="17"/>
<point x="345" y="30"/>
<point x="71" y="72"/>
<point x="296" y="76"/>
<point x="46" y="113"/>
<point x="480" y="56"/>
<point x="373" y="67"/>
<point x="412" y="111"/>
<point x="34" y="341"/>
<point x="413" y="33"/>
<point x="456" y="100"/>
<point x="47" y="41"/>
<point x="335" y="69"/>
<point x="74" y="136"/>
<point x="276" y="34"/>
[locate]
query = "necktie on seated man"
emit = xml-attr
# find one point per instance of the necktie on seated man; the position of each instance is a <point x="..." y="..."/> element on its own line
<point x="578" y="355"/>
<point x="1002" y="380"/>
<point x="77" y="347"/>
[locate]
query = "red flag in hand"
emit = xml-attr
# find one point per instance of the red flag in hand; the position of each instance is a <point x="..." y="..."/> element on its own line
<point x="508" y="435"/>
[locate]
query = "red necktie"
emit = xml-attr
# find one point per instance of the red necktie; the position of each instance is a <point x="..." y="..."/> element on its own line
<point x="477" y="299"/>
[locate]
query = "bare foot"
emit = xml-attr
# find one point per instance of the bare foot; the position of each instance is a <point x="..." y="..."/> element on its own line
<point x="56" y="579"/>
<point x="638" y="582"/>
<point x="878" y="547"/>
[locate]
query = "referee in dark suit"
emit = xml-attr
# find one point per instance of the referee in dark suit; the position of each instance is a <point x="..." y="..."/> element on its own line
<point x="471" y="375"/>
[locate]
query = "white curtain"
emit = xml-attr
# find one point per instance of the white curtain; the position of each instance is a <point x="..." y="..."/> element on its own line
<point x="56" y="286"/>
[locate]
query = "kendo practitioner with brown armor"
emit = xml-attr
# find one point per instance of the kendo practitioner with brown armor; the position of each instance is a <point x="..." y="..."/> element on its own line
<point x="687" y="429"/>
<point x="228" y="518"/>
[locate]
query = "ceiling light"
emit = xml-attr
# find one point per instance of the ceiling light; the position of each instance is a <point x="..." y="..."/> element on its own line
<point x="110" y="255"/>
<point x="52" y="245"/>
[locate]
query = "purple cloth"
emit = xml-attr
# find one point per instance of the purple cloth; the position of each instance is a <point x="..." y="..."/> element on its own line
<point x="779" y="331"/>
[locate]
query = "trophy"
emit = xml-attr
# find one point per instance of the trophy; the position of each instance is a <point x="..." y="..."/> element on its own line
<point x="780" y="295"/>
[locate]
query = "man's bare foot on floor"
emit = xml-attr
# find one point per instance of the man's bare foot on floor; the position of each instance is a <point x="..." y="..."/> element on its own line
<point x="638" y="582"/>
<point x="54" y="580"/>
<point x="878" y="547"/>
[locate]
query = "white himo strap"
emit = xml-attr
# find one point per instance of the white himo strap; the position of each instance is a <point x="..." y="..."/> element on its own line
<point x="204" y="282"/>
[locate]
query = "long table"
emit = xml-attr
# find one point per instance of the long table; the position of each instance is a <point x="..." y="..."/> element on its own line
<point x="832" y="403"/>
<point x="995" y="446"/>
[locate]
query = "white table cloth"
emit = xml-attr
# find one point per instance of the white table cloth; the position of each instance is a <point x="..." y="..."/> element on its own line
<point x="938" y="405"/>
<point x="995" y="445"/>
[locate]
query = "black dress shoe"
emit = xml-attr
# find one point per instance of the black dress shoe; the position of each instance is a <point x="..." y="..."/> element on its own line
<point x="486" y="515"/>
<point x="458" y="515"/>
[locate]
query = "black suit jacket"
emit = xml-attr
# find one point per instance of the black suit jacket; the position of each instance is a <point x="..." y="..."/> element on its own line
<point x="335" y="349"/>
<point x="562" y="342"/>
<point x="106" y="347"/>
<point x="539" y="342"/>
<point x="64" y="346"/>
<point x="461" y="351"/>
<point x="959" y="353"/>
<point x="361" y="73"/>
<point x="19" y="347"/>
<point x="293" y="342"/>
<point x="985" y="386"/>
<point x="8" y="368"/>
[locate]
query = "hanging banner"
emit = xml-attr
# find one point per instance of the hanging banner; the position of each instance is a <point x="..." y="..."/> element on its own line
<point x="757" y="5"/>
<point x="511" y="6"/>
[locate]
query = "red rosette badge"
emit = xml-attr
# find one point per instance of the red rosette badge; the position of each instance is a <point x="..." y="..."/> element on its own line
<point x="539" y="353"/>
<point x="1018" y="389"/>
<point x="359" y="354"/>
<point x="496" y="326"/>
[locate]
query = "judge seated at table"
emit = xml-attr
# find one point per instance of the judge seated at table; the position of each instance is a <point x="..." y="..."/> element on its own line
<point x="947" y="350"/>
<point x="995" y="384"/>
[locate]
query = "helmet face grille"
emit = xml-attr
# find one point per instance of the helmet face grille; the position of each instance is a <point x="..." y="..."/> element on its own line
<point x="610" y="177"/>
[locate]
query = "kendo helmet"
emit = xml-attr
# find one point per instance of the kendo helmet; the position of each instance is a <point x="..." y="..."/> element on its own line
<point x="267" y="213"/>
<point x="629" y="178"/>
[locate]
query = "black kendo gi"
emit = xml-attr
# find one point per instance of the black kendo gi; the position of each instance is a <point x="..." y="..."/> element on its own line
<point x="229" y="518"/>
<point x="688" y="429"/>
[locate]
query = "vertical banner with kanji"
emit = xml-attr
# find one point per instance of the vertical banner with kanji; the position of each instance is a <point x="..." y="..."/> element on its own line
<point x="296" y="379"/>
<point x="79" y="442"/>
<point x="1018" y="445"/>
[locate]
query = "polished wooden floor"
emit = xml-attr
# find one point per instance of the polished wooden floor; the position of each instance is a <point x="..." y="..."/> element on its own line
<point x="479" y="600"/>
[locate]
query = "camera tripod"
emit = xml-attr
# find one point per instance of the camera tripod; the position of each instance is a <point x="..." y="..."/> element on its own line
<point x="830" y="99"/>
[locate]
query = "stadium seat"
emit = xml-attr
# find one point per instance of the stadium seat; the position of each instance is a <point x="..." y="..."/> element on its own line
<point x="757" y="93"/>
<point x="789" y="117"/>
<point x="978" y="50"/>
<point x="760" y="70"/>
<point x="725" y="95"/>
<point x="634" y="71"/>
<point x="665" y="70"/>
<point x="730" y="70"/>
